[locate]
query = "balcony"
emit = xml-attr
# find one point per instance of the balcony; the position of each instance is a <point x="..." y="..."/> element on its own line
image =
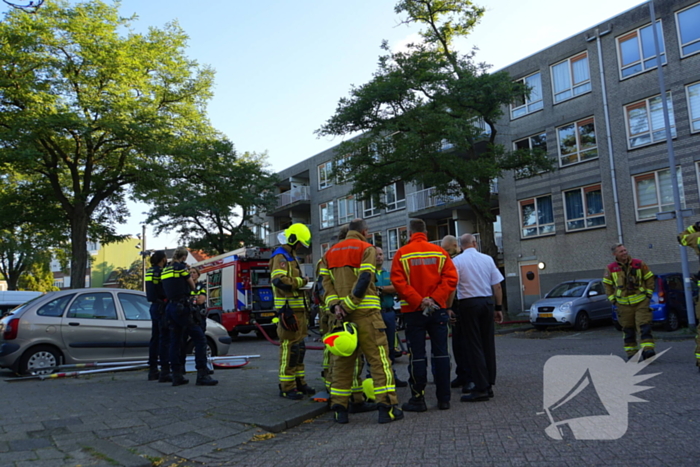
<point x="428" y="198"/>
<point x="292" y="199"/>
<point x="428" y="203"/>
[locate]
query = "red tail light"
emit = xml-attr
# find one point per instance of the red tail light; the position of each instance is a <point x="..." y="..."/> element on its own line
<point x="662" y="292"/>
<point x="10" y="332"/>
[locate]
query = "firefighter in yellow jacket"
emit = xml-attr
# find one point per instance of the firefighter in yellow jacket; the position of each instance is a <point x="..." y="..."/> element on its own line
<point x="348" y="270"/>
<point x="289" y="302"/>
<point x="629" y="284"/>
<point x="690" y="237"/>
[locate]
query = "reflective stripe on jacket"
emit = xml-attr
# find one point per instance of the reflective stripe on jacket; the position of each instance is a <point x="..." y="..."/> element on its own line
<point x="286" y="278"/>
<point x="628" y="284"/>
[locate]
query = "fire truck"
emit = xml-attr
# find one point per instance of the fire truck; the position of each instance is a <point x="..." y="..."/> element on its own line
<point x="239" y="290"/>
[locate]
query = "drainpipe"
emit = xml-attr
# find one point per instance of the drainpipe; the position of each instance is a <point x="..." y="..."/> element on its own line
<point x="606" y="112"/>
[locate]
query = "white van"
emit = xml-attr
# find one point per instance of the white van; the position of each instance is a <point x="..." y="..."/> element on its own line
<point x="10" y="299"/>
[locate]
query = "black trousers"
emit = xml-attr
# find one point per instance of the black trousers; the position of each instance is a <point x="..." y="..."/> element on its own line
<point x="459" y="350"/>
<point x="477" y="326"/>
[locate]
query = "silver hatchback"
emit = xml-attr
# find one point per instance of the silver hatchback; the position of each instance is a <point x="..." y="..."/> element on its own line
<point x="84" y="325"/>
<point x="575" y="303"/>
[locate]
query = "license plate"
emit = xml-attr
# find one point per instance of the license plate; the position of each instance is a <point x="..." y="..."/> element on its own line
<point x="264" y="315"/>
<point x="546" y="315"/>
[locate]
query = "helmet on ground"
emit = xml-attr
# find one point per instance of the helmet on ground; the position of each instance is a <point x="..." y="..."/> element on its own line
<point x="296" y="233"/>
<point x="342" y="341"/>
<point x="368" y="389"/>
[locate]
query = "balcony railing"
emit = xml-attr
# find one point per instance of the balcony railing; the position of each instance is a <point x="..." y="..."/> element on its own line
<point x="428" y="198"/>
<point x="301" y="193"/>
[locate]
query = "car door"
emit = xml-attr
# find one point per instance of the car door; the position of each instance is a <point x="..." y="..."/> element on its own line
<point x="600" y="306"/>
<point x="92" y="330"/>
<point x="137" y="316"/>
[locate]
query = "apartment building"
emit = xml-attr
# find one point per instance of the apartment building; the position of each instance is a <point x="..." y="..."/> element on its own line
<point x="596" y="108"/>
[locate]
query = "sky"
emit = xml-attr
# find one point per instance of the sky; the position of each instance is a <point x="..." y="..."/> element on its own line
<point x="281" y="68"/>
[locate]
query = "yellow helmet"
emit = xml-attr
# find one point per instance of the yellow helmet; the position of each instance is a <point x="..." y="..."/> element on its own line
<point x="342" y="341"/>
<point x="298" y="233"/>
<point x="368" y="389"/>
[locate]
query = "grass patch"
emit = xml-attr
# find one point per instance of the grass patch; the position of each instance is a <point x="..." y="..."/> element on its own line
<point x="95" y="453"/>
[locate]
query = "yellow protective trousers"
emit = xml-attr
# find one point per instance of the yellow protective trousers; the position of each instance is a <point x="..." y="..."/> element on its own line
<point x="633" y="318"/>
<point x="292" y="351"/>
<point x="373" y="344"/>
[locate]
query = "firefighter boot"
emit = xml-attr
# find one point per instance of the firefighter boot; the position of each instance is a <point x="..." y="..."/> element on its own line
<point x="153" y="373"/>
<point x="203" y="378"/>
<point x="293" y="394"/>
<point x="362" y="407"/>
<point x="415" y="404"/>
<point x="389" y="413"/>
<point x="179" y="377"/>
<point x="340" y="414"/>
<point x="304" y="388"/>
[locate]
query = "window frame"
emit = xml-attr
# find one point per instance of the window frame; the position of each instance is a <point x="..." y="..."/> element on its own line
<point x="695" y="42"/>
<point x="325" y="181"/>
<point x="372" y="211"/>
<point x="346" y="201"/>
<point x="577" y="125"/>
<point x="398" y="231"/>
<point x="527" y="103"/>
<point x="397" y="204"/>
<point x="537" y="226"/>
<point x="694" y="120"/>
<point x="659" y="205"/>
<point x="637" y="33"/>
<point x="646" y="103"/>
<point x="583" y="191"/>
<point x="522" y="173"/>
<point x="330" y="205"/>
<point x="571" y="85"/>
<point x="373" y="237"/>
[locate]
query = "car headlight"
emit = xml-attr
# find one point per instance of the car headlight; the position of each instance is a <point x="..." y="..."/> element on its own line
<point x="565" y="307"/>
<point x="533" y="310"/>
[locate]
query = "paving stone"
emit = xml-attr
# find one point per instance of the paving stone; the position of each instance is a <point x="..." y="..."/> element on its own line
<point x="62" y="422"/>
<point x="29" y="444"/>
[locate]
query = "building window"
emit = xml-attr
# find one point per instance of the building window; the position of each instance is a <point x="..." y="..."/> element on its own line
<point x="584" y="208"/>
<point x="637" y="52"/>
<point x="397" y="238"/>
<point x="693" y="93"/>
<point x="653" y="192"/>
<point x="368" y="208"/>
<point x="325" y="172"/>
<point x="536" y="216"/>
<point x="530" y="143"/>
<point x="346" y="209"/>
<point x="688" y="21"/>
<point x="571" y="78"/>
<point x="645" y="121"/>
<point x="375" y="238"/>
<point x="525" y="104"/>
<point x="395" y="196"/>
<point x="327" y="214"/>
<point x="577" y="142"/>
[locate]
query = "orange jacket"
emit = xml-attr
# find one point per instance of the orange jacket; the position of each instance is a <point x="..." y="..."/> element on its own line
<point x="420" y="270"/>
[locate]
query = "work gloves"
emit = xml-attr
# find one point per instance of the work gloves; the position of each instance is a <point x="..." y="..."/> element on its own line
<point x="287" y="319"/>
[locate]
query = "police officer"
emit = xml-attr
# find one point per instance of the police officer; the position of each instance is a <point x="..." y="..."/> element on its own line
<point x="690" y="237"/>
<point x="348" y="271"/>
<point x="160" y="334"/>
<point x="178" y="285"/>
<point x="629" y="283"/>
<point x="289" y="302"/>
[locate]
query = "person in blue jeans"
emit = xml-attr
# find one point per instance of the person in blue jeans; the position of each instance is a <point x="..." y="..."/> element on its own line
<point x="386" y="293"/>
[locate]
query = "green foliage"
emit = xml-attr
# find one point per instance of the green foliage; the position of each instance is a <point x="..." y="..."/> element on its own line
<point x="419" y="100"/>
<point x="37" y="276"/>
<point x="209" y="194"/>
<point x="86" y="113"/>
<point x="131" y="278"/>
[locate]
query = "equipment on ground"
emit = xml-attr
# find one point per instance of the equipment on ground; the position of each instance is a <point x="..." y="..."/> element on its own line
<point x="239" y="289"/>
<point x="342" y="341"/>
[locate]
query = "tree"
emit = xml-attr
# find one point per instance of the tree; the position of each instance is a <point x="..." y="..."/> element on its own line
<point x="212" y="196"/>
<point x="419" y="100"/>
<point x="131" y="278"/>
<point x="87" y="113"/>
<point x="37" y="276"/>
<point x="29" y="6"/>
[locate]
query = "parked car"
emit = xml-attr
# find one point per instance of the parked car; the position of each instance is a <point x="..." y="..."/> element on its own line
<point x="575" y="303"/>
<point x="84" y="325"/>
<point x="10" y="299"/>
<point x="668" y="301"/>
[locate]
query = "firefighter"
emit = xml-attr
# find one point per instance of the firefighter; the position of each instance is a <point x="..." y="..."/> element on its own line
<point x="178" y="285"/>
<point x="289" y="302"/>
<point x="690" y="237"/>
<point x="629" y="284"/>
<point x="348" y="271"/>
<point x="160" y="334"/>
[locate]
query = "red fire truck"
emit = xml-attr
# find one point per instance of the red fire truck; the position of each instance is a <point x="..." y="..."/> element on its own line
<point x="239" y="291"/>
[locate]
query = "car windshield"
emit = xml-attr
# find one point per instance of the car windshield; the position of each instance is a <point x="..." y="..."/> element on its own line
<point x="21" y="307"/>
<point x="568" y="289"/>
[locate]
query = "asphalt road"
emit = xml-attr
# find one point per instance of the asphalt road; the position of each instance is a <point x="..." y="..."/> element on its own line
<point x="121" y="419"/>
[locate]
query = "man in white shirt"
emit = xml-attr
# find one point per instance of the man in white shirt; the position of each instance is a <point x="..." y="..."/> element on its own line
<point x="479" y="291"/>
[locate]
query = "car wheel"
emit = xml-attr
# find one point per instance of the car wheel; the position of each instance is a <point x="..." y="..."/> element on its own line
<point x="211" y="348"/>
<point x="540" y="327"/>
<point x="618" y="326"/>
<point x="39" y="360"/>
<point x="583" y="322"/>
<point x="672" y="322"/>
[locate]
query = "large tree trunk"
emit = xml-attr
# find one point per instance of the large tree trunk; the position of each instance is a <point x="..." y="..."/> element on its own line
<point x="79" y="254"/>
<point x="484" y="226"/>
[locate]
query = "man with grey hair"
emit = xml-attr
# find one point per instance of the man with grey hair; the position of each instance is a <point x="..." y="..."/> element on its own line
<point x="459" y="344"/>
<point x="479" y="306"/>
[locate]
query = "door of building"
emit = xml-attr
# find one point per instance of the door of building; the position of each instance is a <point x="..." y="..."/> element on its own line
<point x="529" y="285"/>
